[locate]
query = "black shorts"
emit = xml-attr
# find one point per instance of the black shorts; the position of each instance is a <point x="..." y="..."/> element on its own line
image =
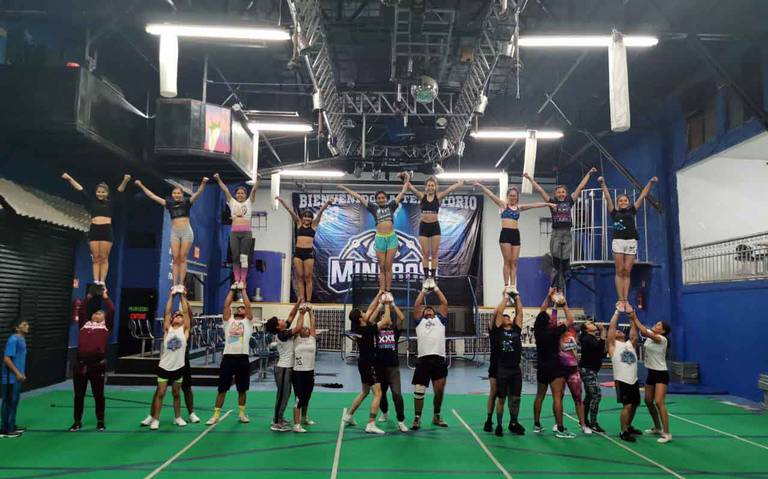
<point x="367" y="372"/>
<point x="510" y="235"/>
<point x="303" y="383"/>
<point x="170" y="376"/>
<point x="509" y="382"/>
<point x="492" y="371"/>
<point x="432" y="367"/>
<point x="100" y="233"/>
<point x="548" y="372"/>
<point x="304" y="253"/>
<point x="429" y="230"/>
<point x="657" y="377"/>
<point x="236" y="365"/>
<point x="627" y="393"/>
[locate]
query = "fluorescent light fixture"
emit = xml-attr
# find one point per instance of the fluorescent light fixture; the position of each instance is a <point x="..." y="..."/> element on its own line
<point x="515" y="134"/>
<point x="283" y="127"/>
<point x="469" y="175"/>
<point x="312" y="173"/>
<point x="583" y="41"/>
<point x="218" y="32"/>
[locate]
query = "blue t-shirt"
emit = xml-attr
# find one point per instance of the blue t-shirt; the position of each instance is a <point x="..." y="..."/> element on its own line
<point x="16" y="349"/>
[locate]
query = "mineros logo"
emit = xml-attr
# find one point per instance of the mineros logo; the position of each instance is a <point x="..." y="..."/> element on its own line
<point x="359" y="257"/>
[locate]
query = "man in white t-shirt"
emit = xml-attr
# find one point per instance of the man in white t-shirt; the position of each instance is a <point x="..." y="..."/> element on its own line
<point x="234" y="361"/>
<point x="431" y="364"/>
<point x="623" y="354"/>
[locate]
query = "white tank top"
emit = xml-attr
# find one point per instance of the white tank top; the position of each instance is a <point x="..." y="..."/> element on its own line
<point x="304" y="353"/>
<point x="285" y="352"/>
<point x="174" y="348"/>
<point x="237" y="334"/>
<point x="656" y="354"/>
<point x="624" y="362"/>
<point x="240" y="210"/>
<point x="430" y="336"/>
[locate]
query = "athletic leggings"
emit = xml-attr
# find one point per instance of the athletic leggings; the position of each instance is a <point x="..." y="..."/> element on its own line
<point x="573" y="380"/>
<point x="303" y="384"/>
<point x="283" y="381"/>
<point x="592" y="393"/>
<point x="240" y="242"/>
<point x="82" y="374"/>
<point x="390" y="379"/>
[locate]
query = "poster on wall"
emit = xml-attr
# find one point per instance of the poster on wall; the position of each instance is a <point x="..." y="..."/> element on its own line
<point x="217" y="129"/>
<point x="344" y="243"/>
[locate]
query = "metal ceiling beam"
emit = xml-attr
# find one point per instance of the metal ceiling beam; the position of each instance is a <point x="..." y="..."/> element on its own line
<point x="386" y="104"/>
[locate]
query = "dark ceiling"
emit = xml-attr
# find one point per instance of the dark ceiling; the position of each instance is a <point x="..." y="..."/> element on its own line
<point x="359" y="34"/>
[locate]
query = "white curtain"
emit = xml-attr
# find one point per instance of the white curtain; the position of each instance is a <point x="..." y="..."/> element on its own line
<point x="530" y="160"/>
<point x="169" y="64"/>
<point x="618" y="83"/>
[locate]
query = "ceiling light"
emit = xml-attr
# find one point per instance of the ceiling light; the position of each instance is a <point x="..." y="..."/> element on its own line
<point x="471" y="175"/>
<point x="583" y="41"/>
<point x="279" y="126"/>
<point x="218" y="32"/>
<point x="482" y="103"/>
<point x="515" y="134"/>
<point x="312" y="173"/>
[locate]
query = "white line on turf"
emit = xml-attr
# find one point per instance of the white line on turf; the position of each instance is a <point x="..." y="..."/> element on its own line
<point x="719" y="431"/>
<point x="629" y="449"/>
<point x="485" y="449"/>
<point x="337" y="453"/>
<point x="186" y="448"/>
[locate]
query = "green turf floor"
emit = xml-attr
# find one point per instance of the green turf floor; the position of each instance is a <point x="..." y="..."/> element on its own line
<point x="233" y="450"/>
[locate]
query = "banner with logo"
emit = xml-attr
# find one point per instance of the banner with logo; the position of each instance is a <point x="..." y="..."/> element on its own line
<point x="344" y="243"/>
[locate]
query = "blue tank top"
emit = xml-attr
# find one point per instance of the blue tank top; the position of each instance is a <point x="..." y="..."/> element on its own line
<point x="510" y="214"/>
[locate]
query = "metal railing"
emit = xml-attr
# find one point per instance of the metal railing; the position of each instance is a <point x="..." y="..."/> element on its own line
<point x="592" y="225"/>
<point x="736" y="259"/>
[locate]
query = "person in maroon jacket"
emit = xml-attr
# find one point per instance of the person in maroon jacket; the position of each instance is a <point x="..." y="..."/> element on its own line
<point x="91" y="363"/>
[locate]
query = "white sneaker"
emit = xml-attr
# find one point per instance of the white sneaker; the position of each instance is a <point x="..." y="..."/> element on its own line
<point x="401" y="425"/>
<point x="243" y="418"/>
<point x="241" y="285"/>
<point x="298" y="428"/>
<point x="308" y="306"/>
<point x="384" y="417"/>
<point x="665" y="438"/>
<point x="558" y="298"/>
<point x="180" y="422"/>
<point x="429" y="284"/>
<point x="554" y="428"/>
<point x="348" y="419"/>
<point x="371" y="428"/>
<point x="147" y="421"/>
<point x="654" y="432"/>
<point x="305" y="421"/>
<point x="586" y="429"/>
<point x="513" y="290"/>
<point x="193" y="418"/>
<point x="213" y="420"/>
<point x="234" y="286"/>
<point x="154" y="425"/>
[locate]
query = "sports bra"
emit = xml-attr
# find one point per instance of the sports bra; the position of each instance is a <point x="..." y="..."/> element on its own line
<point x="178" y="209"/>
<point x="430" y="206"/>
<point x="308" y="231"/>
<point x="510" y="214"/>
<point x="97" y="207"/>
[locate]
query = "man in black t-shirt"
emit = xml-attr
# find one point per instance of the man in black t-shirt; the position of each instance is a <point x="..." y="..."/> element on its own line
<point x="507" y="346"/>
<point x="388" y="364"/>
<point x="366" y="328"/>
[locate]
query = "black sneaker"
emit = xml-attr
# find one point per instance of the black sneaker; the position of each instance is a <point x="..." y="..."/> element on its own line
<point x="75" y="427"/>
<point x="488" y="427"/>
<point x="627" y="436"/>
<point x="100" y="426"/>
<point x="416" y="424"/>
<point x="516" y="428"/>
<point x="10" y="434"/>
<point x="634" y="432"/>
<point x="438" y="421"/>
<point x="596" y="427"/>
<point x="499" y="431"/>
